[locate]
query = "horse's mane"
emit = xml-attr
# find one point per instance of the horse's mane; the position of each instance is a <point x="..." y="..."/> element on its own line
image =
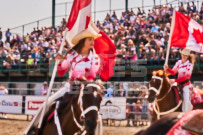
<point x="65" y="102"/>
<point x="160" y="73"/>
<point x="69" y="98"/>
<point x="63" y="105"/>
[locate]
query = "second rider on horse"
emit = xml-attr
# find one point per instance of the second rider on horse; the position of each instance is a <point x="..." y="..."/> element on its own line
<point x="184" y="68"/>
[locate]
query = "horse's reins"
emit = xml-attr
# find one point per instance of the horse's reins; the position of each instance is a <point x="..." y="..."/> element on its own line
<point x="155" y="105"/>
<point x="157" y="91"/>
<point x="91" y="108"/>
<point x="84" y="112"/>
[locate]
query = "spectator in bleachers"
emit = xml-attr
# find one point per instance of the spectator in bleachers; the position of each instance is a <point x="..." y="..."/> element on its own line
<point x="131" y="100"/>
<point x="30" y="61"/>
<point x="181" y="8"/>
<point x="7" y="45"/>
<point x="193" y="7"/>
<point x="109" y="92"/>
<point x="125" y="89"/>
<point x="143" y="95"/>
<point x="3" y="91"/>
<point x="1" y="34"/>
<point x="8" y="35"/>
<point x="120" y="92"/>
<point x="15" y="58"/>
<point x="44" y="89"/>
<point x="138" y="111"/>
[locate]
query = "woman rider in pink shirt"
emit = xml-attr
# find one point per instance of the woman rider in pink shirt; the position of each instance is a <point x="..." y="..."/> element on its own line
<point x="81" y="60"/>
<point x="184" y="68"/>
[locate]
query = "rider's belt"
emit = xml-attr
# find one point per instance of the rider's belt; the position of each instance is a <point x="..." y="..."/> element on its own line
<point x="185" y="83"/>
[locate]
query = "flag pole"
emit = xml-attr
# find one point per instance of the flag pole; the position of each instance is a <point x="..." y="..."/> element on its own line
<point x="170" y="36"/>
<point x="52" y="79"/>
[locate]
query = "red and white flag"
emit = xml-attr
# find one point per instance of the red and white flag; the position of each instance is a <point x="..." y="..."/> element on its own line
<point x="79" y="20"/>
<point x="186" y="33"/>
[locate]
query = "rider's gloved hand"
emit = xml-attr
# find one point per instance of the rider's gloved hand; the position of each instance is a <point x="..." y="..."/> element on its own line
<point x="165" y="67"/>
<point x="59" y="57"/>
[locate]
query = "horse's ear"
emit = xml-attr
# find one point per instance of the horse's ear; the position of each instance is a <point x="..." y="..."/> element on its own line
<point x="154" y="73"/>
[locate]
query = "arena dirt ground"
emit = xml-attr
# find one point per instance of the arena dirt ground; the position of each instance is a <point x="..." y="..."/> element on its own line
<point x="16" y="124"/>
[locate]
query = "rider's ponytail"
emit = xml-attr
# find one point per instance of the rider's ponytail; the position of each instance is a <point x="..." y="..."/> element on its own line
<point x="191" y="58"/>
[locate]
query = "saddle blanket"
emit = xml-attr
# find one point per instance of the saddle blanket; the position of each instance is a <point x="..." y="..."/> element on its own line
<point x="196" y="97"/>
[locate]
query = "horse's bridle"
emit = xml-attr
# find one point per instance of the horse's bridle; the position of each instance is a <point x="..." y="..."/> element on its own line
<point x="82" y="130"/>
<point x="91" y="108"/>
<point x="157" y="91"/>
<point x="84" y="112"/>
<point x="155" y="105"/>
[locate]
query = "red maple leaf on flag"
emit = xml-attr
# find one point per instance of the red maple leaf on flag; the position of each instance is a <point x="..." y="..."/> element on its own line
<point x="198" y="35"/>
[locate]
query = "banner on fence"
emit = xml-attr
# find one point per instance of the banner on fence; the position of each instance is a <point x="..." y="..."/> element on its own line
<point x="33" y="103"/>
<point x="11" y="104"/>
<point x="113" y="108"/>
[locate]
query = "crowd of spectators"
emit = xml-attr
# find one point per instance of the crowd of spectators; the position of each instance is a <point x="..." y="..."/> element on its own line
<point x="34" y="49"/>
<point x="137" y="35"/>
<point x="137" y="107"/>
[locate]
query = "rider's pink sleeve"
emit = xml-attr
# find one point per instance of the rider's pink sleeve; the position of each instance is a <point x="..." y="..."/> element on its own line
<point x="61" y="71"/>
<point x="174" y="70"/>
<point x="64" y="66"/>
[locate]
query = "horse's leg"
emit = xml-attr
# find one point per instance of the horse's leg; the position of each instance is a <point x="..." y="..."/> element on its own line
<point x="154" y="117"/>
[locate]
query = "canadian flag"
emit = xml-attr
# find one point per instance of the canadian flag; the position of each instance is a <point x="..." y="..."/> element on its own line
<point x="186" y="33"/>
<point x="79" y="20"/>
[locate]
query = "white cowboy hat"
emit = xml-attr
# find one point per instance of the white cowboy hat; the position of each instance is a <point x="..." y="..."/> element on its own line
<point x="84" y="34"/>
<point x="185" y="52"/>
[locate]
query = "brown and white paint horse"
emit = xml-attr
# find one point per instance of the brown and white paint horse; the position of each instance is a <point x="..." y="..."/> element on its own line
<point x="163" y="97"/>
<point x="75" y="114"/>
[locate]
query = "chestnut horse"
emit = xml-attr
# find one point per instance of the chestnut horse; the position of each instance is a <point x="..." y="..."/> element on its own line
<point x="78" y="112"/>
<point x="164" y="98"/>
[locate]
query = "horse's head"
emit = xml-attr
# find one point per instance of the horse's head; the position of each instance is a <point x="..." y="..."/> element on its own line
<point x="89" y="100"/>
<point x="155" y="84"/>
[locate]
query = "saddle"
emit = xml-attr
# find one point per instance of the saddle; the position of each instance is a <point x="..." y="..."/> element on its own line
<point x="196" y="96"/>
<point x="176" y="88"/>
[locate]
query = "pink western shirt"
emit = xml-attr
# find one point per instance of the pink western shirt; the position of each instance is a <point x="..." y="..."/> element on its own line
<point x="184" y="70"/>
<point x="87" y="66"/>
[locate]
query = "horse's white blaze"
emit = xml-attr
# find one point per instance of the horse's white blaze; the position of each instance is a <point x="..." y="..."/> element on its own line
<point x="95" y="94"/>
